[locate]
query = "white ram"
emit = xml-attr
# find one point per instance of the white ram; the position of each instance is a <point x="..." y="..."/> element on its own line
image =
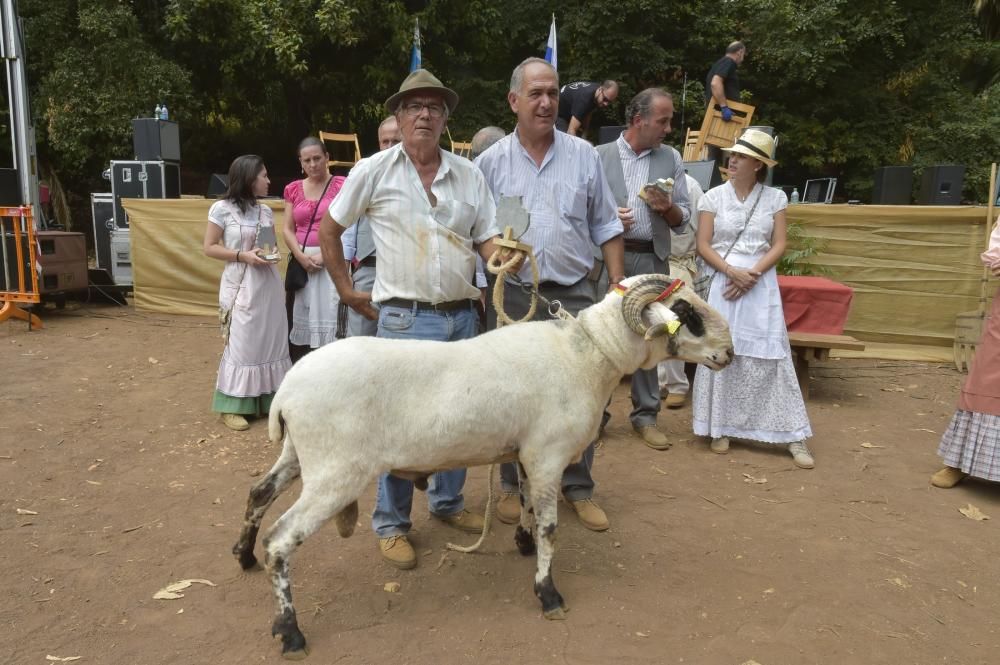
<point x="531" y="392"/>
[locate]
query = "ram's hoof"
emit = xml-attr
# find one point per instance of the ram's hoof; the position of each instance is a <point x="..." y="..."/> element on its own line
<point x="558" y="614"/>
<point x="292" y="648"/>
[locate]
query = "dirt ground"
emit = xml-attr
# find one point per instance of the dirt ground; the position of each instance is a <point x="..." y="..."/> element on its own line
<point x="117" y="480"/>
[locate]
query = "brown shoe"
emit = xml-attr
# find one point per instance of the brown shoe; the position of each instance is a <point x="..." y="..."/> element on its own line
<point x="675" y="400"/>
<point x="653" y="437"/>
<point x="590" y="514"/>
<point x="509" y="508"/>
<point x="235" y="421"/>
<point x="398" y="551"/>
<point x="465" y="521"/>
<point x="948" y="477"/>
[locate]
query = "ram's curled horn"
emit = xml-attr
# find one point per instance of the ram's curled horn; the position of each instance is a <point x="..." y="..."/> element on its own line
<point x="643" y="291"/>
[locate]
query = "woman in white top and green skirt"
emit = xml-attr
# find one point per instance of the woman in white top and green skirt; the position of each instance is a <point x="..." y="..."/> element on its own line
<point x="251" y="297"/>
<point x="741" y="237"/>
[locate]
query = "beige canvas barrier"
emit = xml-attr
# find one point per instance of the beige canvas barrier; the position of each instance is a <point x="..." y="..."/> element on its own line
<point x="912" y="268"/>
<point x="170" y="272"/>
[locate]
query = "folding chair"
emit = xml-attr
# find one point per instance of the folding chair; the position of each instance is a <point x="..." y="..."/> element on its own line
<point x="690" y="146"/>
<point x="716" y="132"/>
<point x="342" y="138"/>
<point x="462" y="148"/>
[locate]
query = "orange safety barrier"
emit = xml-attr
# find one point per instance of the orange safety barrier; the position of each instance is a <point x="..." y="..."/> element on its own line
<point x="19" y="282"/>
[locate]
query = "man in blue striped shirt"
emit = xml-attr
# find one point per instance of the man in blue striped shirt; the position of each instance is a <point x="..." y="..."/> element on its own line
<point x="562" y="186"/>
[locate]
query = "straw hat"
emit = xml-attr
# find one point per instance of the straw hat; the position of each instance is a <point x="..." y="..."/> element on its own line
<point x="757" y="144"/>
<point x="421" y="80"/>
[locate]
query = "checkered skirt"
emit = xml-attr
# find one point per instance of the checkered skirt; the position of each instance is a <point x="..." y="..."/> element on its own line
<point x="972" y="443"/>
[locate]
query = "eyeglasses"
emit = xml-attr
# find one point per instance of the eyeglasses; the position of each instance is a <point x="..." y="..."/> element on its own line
<point x="413" y="109"/>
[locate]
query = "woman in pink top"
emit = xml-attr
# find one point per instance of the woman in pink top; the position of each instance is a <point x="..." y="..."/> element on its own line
<point x="971" y="444"/>
<point x="314" y="314"/>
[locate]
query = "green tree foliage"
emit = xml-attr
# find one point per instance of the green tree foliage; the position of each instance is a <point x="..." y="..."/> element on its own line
<point x="849" y="85"/>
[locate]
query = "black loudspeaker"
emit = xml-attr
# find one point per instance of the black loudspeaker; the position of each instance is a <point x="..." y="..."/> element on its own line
<point x="217" y="185"/>
<point x="941" y="185"/>
<point x="156" y="140"/>
<point x="10" y="188"/>
<point x="893" y="185"/>
<point x="609" y="133"/>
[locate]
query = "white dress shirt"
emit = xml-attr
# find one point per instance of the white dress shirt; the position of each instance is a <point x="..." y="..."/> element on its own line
<point x="424" y="252"/>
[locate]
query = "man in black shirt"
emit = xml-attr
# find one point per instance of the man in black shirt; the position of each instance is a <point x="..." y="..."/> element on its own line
<point x="577" y="102"/>
<point x="723" y="82"/>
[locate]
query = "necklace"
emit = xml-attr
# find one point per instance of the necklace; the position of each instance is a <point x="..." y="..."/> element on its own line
<point x="743" y="198"/>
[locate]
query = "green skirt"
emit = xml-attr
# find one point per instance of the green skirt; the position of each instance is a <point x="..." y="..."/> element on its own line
<point x="245" y="406"/>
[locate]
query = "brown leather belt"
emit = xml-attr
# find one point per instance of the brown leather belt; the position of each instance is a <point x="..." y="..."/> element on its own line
<point x="450" y="306"/>
<point x="639" y="246"/>
<point x="367" y="262"/>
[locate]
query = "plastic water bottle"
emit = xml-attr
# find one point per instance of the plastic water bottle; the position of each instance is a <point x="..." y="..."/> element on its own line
<point x="158" y="112"/>
<point x="795" y="195"/>
<point x="163" y="113"/>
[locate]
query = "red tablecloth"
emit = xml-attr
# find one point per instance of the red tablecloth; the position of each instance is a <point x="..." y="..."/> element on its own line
<point x="814" y="304"/>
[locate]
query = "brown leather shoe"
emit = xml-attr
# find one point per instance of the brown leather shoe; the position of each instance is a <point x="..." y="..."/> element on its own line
<point x="464" y="520"/>
<point x="509" y="508"/>
<point x="675" y="400"/>
<point x="948" y="477"/>
<point x="590" y="514"/>
<point x="235" y="421"/>
<point x="398" y="551"/>
<point x="653" y="437"/>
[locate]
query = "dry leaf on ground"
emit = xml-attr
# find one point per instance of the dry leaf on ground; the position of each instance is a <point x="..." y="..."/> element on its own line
<point x="747" y="478"/>
<point x="866" y="444"/>
<point x="391" y="587"/>
<point x="63" y="660"/>
<point x="169" y="592"/>
<point x="22" y="511"/>
<point x="898" y="582"/>
<point x="973" y="513"/>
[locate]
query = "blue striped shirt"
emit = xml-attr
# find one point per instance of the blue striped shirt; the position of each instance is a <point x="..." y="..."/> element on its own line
<point x="568" y="198"/>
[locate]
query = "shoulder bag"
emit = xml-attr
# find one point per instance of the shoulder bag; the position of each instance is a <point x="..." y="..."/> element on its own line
<point x="296" y="276"/>
<point x="703" y="281"/>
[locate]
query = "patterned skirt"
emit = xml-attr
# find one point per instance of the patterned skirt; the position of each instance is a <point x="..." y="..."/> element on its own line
<point x="972" y="441"/>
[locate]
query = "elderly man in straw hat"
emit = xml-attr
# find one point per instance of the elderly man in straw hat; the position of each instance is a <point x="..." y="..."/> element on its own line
<point x="430" y="211"/>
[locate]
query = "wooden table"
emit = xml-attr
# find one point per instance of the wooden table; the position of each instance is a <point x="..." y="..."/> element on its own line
<point x="807" y="347"/>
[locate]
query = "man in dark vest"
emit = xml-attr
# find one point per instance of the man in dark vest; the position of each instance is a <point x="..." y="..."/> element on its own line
<point x="637" y="159"/>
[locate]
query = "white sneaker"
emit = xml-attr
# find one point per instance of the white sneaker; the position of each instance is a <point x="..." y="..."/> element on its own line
<point x="801" y="455"/>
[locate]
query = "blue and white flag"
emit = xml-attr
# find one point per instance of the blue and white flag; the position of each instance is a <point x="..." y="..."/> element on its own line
<point x="415" y="53"/>
<point x="551" y="55"/>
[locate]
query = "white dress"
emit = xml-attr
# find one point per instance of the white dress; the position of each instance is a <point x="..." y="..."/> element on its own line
<point x="256" y="358"/>
<point x="757" y="397"/>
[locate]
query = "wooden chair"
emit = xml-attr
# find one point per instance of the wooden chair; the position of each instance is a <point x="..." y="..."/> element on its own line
<point x="342" y="138"/>
<point x="716" y="132"/>
<point x="462" y="148"/>
<point x="690" y="147"/>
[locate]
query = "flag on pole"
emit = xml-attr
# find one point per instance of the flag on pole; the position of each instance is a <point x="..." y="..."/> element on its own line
<point x="550" y="46"/>
<point x="415" y="53"/>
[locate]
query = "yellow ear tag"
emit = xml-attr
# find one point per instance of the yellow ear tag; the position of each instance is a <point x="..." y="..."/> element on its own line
<point x="673" y="326"/>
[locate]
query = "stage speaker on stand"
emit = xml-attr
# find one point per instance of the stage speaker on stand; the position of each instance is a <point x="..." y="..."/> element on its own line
<point x="217" y="185"/>
<point x="941" y="185"/>
<point x="156" y="140"/>
<point x="893" y="185"/>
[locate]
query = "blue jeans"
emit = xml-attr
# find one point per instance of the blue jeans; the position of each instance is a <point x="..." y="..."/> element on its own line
<point x="444" y="491"/>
